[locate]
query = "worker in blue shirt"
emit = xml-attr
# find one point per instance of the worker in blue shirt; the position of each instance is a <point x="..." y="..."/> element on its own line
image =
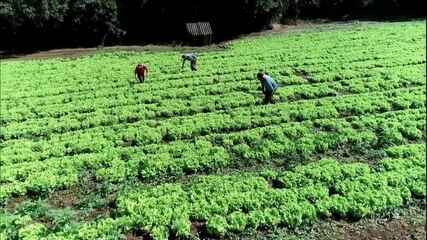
<point x="268" y="86"/>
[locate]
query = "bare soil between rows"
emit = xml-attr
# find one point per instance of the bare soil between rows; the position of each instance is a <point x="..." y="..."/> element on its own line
<point x="377" y="229"/>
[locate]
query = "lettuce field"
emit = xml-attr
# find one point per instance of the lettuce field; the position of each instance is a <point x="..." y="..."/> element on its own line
<point x="88" y="153"/>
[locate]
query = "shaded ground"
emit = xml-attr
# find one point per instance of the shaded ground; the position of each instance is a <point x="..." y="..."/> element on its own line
<point x="78" y="52"/>
<point x="277" y="28"/>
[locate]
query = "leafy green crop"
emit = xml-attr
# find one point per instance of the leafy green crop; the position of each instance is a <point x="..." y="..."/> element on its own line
<point x="188" y="139"/>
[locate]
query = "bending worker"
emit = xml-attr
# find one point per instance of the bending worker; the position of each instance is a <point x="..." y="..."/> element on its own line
<point x="192" y="58"/>
<point x="268" y="86"/>
<point x="140" y="71"/>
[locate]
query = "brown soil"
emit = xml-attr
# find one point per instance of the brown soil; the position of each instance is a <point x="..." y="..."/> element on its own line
<point x="392" y="230"/>
<point x="62" y="199"/>
<point x="402" y="224"/>
<point x="137" y="235"/>
<point x="97" y="213"/>
<point x="197" y="228"/>
<point x="14" y="203"/>
<point x="302" y="75"/>
<point x="130" y="236"/>
<point x="412" y="226"/>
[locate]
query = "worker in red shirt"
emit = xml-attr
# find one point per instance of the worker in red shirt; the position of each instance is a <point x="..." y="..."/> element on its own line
<point x="140" y="72"/>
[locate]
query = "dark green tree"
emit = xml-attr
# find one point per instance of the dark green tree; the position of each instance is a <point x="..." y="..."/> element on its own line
<point x="94" y="20"/>
<point x="24" y="18"/>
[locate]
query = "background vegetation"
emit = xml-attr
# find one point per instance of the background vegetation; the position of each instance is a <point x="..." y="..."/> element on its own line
<point x="27" y="24"/>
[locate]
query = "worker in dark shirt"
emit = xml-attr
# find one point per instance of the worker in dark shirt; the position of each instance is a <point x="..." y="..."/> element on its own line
<point x="192" y="58"/>
<point x="268" y="87"/>
<point x="140" y="72"/>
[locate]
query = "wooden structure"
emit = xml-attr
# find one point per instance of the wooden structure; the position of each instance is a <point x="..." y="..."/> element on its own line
<point x="199" y="33"/>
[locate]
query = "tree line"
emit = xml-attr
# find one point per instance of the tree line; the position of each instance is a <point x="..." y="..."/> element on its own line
<point x="26" y="24"/>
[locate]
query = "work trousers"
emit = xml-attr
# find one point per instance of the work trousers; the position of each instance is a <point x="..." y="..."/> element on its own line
<point x="193" y="66"/>
<point x="268" y="97"/>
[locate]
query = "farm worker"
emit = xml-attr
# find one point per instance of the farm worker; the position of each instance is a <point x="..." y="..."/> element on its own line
<point x="140" y="72"/>
<point x="268" y="86"/>
<point x="192" y="58"/>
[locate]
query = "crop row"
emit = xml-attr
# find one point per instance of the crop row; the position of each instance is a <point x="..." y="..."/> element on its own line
<point x="261" y="145"/>
<point x="215" y="151"/>
<point x="315" y="40"/>
<point x="217" y="205"/>
<point x="167" y="108"/>
<point x="103" y="77"/>
<point x="233" y="204"/>
<point x="162" y="85"/>
<point x="8" y="107"/>
<point x="167" y="84"/>
<point x="142" y="135"/>
<point x="154" y="105"/>
<point x="202" y="124"/>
